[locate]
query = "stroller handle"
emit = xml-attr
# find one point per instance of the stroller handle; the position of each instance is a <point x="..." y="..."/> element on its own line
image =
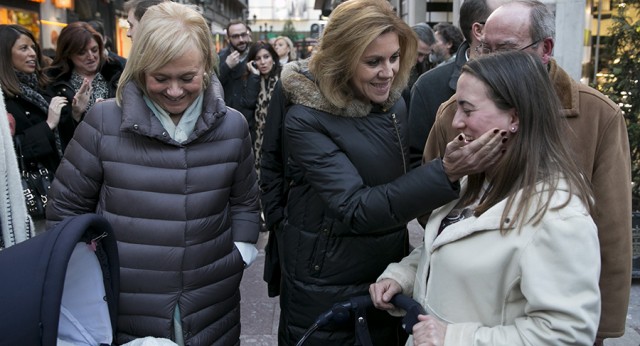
<point x="413" y="309"/>
<point x="342" y="312"/>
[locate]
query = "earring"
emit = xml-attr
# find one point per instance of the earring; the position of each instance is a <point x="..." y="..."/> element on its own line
<point x="514" y="129"/>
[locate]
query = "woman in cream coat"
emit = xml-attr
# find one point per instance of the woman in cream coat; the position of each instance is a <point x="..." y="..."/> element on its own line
<point x="514" y="261"/>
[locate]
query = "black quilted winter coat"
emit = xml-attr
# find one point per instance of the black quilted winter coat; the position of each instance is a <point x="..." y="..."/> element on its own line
<point x="176" y="210"/>
<point x="350" y="198"/>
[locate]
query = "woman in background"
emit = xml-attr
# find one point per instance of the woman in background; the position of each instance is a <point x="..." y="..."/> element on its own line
<point x="37" y="116"/>
<point x="266" y="62"/>
<point x="285" y="49"/>
<point x="81" y="71"/>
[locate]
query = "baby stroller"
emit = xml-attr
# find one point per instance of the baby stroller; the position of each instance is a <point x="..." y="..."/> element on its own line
<point x="61" y="287"/>
<point x="355" y="309"/>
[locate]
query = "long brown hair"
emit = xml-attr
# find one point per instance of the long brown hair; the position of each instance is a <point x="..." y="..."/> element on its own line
<point x="537" y="154"/>
<point x="72" y="40"/>
<point x="9" y="34"/>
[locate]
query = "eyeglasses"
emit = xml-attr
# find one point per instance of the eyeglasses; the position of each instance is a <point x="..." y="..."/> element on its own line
<point x="483" y="48"/>
<point x="237" y="36"/>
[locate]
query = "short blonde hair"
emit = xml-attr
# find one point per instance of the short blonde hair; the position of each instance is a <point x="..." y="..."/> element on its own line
<point x="353" y="25"/>
<point x="165" y="33"/>
<point x="292" y="49"/>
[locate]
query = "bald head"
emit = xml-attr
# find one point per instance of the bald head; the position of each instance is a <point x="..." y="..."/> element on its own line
<point x="523" y="25"/>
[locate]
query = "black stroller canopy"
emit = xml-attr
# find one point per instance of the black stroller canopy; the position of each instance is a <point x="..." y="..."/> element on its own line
<point x="32" y="276"/>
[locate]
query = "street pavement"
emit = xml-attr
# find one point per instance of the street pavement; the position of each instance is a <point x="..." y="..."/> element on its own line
<point x="259" y="313"/>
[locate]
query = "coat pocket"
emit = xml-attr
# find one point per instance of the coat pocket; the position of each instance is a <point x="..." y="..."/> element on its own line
<point x="320" y="248"/>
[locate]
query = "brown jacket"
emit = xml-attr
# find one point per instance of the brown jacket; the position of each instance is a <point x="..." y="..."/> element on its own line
<point x="598" y="137"/>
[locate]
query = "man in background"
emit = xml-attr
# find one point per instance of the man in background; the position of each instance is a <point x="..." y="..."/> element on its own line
<point x="439" y="84"/>
<point x="99" y="27"/>
<point x="135" y="9"/>
<point x="426" y="39"/>
<point x="448" y="39"/>
<point x="233" y="65"/>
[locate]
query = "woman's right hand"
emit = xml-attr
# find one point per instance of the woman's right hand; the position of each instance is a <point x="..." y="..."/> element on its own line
<point x="462" y="158"/>
<point x="382" y="292"/>
<point x="81" y="100"/>
<point x="55" y="108"/>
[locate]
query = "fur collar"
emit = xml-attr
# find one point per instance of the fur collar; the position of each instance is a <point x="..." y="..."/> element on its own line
<point x="300" y="88"/>
<point x="566" y="89"/>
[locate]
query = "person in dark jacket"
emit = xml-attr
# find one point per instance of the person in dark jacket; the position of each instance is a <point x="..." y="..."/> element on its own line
<point x="172" y="169"/>
<point x="240" y="80"/>
<point x="37" y="116"/>
<point x="81" y="72"/>
<point x="265" y="62"/>
<point x="351" y="193"/>
<point x="438" y="85"/>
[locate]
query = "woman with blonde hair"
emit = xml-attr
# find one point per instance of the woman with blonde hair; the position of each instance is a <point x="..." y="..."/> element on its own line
<point x="171" y="168"/>
<point x="351" y="193"/>
<point x="285" y="49"/>
<point x="514" y="261"/>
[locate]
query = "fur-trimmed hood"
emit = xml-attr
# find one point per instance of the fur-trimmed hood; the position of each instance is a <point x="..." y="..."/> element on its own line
<point x="300" y="88"/>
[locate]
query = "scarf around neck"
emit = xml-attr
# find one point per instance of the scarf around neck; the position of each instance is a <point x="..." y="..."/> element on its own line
<point x="15" y="223"/>
<point x="187" y="123"/>
<point x="29" y="90"/>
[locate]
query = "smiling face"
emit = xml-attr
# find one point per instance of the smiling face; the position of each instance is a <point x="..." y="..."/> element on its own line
<point x="87" y="61"/>
<point x="23" y="55"/>
<point x="177" y="84"/>
<point x="264" y="61"/>
<point x="282" y="48"/>
<point x="377" y="67"/>
<point x="477" y="113"/>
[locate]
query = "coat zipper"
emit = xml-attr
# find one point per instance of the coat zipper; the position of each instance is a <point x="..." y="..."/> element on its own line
<point x="395" y="126"/>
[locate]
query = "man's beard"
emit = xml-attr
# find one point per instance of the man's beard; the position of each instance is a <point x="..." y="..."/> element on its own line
<point x="246" y="45"/>
<point x="436" y="57"/>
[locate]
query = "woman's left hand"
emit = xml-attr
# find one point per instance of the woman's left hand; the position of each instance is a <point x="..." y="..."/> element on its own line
<point x="429" y="331"/>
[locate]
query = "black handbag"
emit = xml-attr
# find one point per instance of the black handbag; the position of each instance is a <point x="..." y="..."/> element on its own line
<point x="36" y="182"/>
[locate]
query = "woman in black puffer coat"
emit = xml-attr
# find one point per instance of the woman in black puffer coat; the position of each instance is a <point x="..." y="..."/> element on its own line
<point x="351" y="194"/>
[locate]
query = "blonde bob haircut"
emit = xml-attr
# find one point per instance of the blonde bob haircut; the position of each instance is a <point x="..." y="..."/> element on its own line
<point x="292" y="49"/>
<point x="166" y="32"/>
<point x="353" y="25"/>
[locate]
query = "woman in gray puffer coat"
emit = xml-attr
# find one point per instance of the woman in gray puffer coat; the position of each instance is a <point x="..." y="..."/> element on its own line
<point x="351" y="194"/>
<point x="171" y="168"/>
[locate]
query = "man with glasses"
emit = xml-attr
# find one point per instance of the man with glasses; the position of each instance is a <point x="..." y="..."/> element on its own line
<point x="437" y="85"/>
<point x="233" y="69"/>
<point x="597" y="136"/>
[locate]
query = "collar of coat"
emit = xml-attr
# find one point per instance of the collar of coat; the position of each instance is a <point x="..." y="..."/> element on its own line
<point x="138" y="118"/>
<point x="300" y="88"/>
<point x="566" y="89"/>
<point x="491" y="219"/>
